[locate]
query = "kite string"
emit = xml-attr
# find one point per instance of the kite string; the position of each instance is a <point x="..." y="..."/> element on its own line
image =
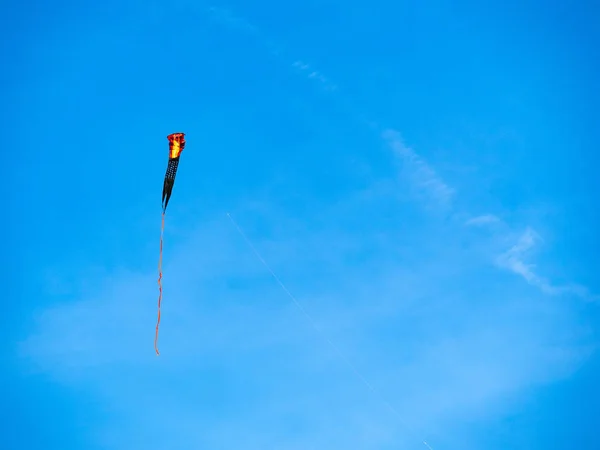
<point x="162" y="229"/>
<point x="318" y="329"/>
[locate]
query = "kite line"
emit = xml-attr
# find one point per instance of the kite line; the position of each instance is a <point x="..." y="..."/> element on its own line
<point x="162" y="230"/>
<point x="321" y="332"/>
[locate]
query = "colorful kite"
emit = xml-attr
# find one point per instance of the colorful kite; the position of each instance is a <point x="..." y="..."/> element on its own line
<point x="176" y="146"/>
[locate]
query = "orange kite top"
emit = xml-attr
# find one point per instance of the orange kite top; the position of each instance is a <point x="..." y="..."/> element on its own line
<point x="176" y="144"/>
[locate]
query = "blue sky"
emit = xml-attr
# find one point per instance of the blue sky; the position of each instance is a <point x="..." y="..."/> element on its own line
<point x="421" y="176"/>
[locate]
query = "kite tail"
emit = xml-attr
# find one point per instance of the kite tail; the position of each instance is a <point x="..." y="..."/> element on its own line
<point x="162" y="229"/>
<point x="169" y="181"/>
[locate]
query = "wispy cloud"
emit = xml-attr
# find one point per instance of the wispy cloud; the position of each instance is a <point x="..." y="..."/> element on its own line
<point x="426" y="183"/>
<point x="423" y="177"/>
<point x="260" y="369"/>
<point x="515" y="260"/>
<point x="314" y="75"/>
<point x="485" y="219"/>
<point x="227" y="18"/>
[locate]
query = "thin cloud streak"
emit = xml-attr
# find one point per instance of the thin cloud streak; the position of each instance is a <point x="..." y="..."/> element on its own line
<point x="486" y="219"/>
<point x="422" y="175"/>
<point x="515" y="260"/>
<point x="315" y="75"/>
<point x="424" y="178"/>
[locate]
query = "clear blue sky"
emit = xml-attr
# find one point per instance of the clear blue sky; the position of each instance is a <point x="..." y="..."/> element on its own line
<point x="422" y="177"/>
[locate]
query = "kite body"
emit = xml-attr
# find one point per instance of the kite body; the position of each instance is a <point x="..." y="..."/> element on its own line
<point x="176" y="146"/>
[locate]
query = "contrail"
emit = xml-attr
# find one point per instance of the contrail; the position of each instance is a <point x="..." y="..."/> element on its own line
<point x="316" y="327"/>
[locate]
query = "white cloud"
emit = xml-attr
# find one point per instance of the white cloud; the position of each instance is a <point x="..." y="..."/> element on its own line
<point x="421" y="174"/>
<point x="515" y="260"/>
<point x="485" y="219"/>
<point x="237" y="356"/>
<point x="425" y="183"/>
<point x="314" y="74"/>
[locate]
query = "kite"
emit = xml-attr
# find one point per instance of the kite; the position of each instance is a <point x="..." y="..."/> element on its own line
<point x="176" y="146"/>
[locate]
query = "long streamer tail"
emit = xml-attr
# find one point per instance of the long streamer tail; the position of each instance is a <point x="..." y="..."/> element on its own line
<point x="162" y="230"/>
